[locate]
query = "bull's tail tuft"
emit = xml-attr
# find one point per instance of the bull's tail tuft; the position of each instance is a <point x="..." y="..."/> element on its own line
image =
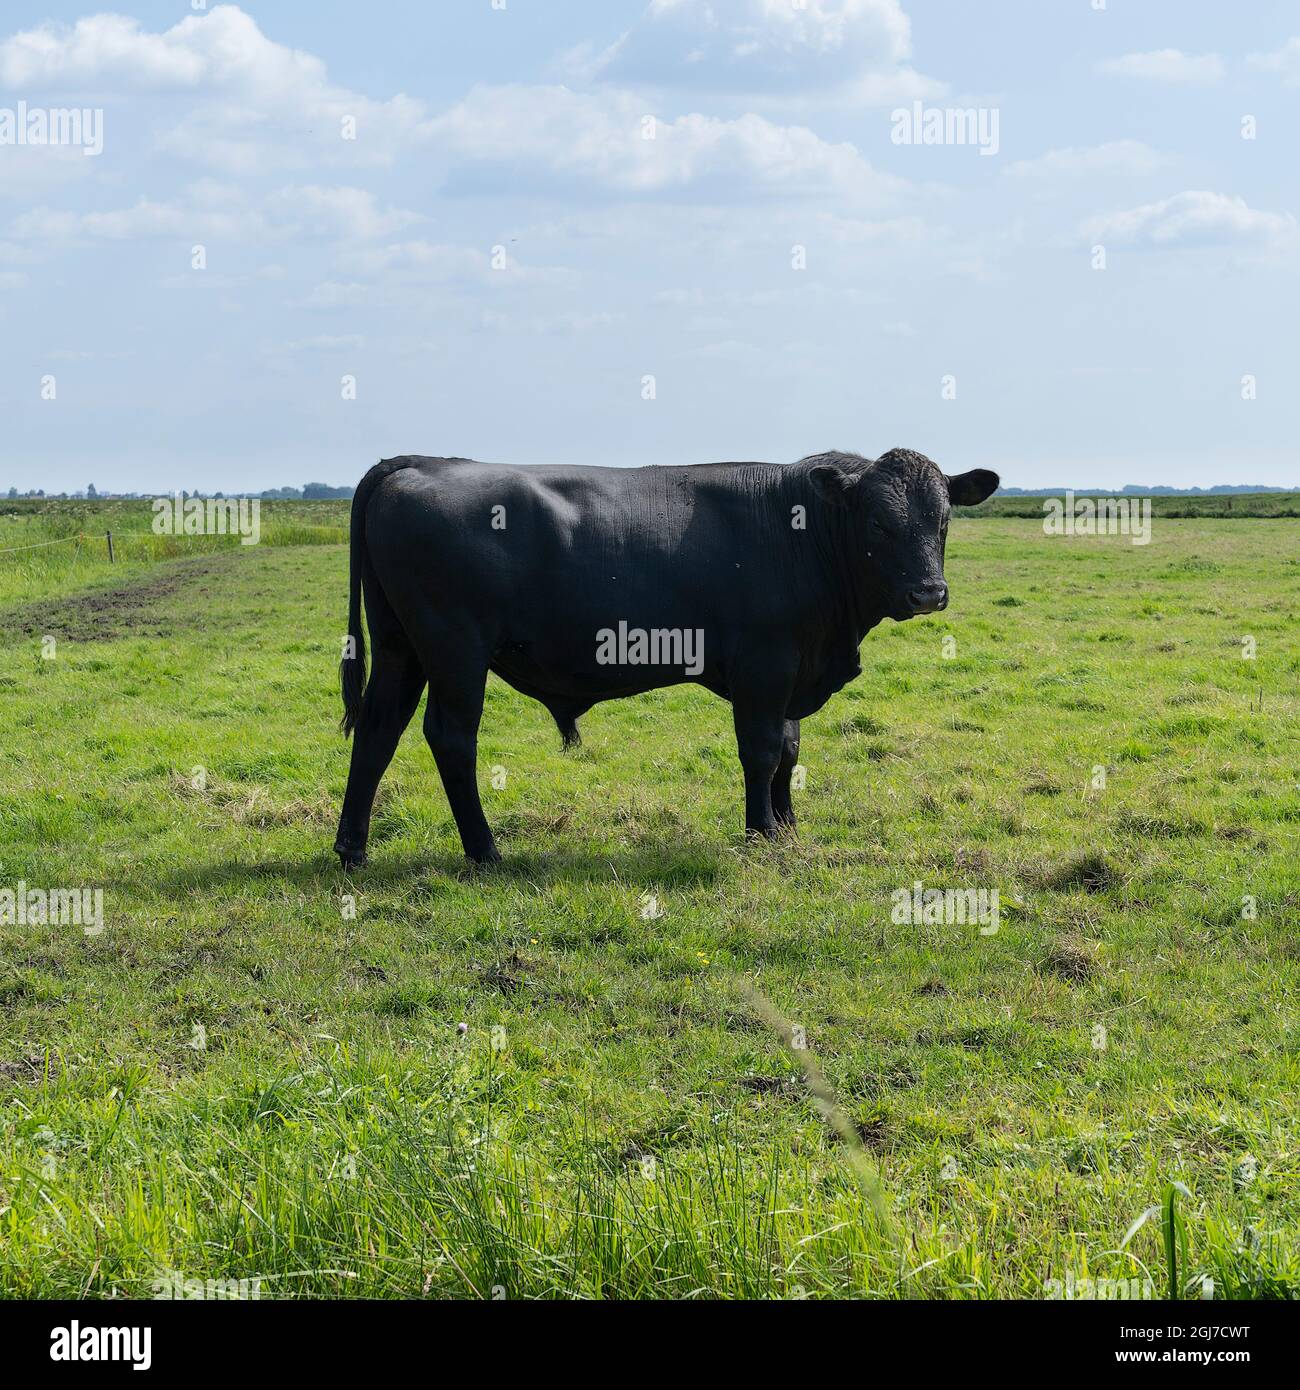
<point x="352" y="669"/>
<point x="565" y="713"/>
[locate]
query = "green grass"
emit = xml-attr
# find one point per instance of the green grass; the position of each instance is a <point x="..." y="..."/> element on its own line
<point x="621" y="1116"/>
<point x="1241" y="506"/>
<point x="60" y="546"/>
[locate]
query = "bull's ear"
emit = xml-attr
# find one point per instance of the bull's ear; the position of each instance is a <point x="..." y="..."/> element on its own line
<point x="833" y="483"/>
<point x="970" y="489"/>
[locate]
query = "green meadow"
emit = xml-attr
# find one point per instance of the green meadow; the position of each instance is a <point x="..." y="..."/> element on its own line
<point x="643" y="1058"/>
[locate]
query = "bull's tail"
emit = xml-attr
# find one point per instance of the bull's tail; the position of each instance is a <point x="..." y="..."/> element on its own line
<point x="566" y="716"/>
<point x="352" y="669"/>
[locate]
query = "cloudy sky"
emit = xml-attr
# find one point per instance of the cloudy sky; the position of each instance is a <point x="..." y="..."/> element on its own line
<point x="499" y="221"/>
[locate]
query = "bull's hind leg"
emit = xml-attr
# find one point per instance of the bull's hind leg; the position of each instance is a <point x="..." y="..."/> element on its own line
<point x="396" y="680"/>
<point x="451" y="723"/>
<point x="782" y="806"/>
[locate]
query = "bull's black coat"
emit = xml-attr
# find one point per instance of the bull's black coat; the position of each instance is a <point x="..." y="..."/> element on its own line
<point x="778" y="570"/>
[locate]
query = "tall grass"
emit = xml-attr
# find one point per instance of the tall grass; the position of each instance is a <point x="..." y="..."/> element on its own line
<point x="352" y="1178"/>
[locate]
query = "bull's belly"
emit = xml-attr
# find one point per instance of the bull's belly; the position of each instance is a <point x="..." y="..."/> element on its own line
<point x="552" y="681"/>
<point x="561" y="684"/>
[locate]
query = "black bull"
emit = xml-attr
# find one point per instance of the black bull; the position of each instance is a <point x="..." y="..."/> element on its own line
<point x="576" y="585"/>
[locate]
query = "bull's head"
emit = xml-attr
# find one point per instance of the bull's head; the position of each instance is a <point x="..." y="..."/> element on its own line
<point x="898" y="510"/>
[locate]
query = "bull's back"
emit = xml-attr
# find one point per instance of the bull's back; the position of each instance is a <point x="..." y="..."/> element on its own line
<point x="575" y="541"/>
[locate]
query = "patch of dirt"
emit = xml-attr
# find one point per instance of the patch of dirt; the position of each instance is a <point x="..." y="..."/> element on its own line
<point x="633" y="1153"/>
<point x="1088" y="870"/>
<point x="106" y="615"/>
<point x="742" y="1022"/>
<point x="769" y="1085"/>
<point x="1070" y="961"/>
<point x="509" y="975"/>
<point x="874" y="1133"/>
<point x="29" y="1071"/>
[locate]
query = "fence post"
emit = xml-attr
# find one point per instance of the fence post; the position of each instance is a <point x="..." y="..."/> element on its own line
<point x="111" y="560"/>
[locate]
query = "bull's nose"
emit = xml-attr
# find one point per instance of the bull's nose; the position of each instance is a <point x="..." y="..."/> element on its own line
<point x="930" y="598"/>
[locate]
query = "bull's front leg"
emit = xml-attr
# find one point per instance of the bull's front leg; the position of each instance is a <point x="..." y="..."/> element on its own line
<point x="760" y="738"/>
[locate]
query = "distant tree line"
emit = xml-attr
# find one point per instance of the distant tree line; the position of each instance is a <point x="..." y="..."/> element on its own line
<point x="320" y="492"/>
<point x="309" y="492"/>
<point x="1137" y="489"/>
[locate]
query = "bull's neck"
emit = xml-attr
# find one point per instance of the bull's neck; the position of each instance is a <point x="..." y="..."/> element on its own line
<point x="840" y="561"/>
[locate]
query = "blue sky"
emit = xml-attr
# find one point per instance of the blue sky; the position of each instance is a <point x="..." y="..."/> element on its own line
<point x="621" y="257"/>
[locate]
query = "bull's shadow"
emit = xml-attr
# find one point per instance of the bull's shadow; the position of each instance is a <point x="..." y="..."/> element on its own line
<point x="668" y="864"/>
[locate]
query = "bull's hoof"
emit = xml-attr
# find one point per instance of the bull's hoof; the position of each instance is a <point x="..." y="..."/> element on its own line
<point x="755" y="833"/>
<point x="351" y="858"/>
<point x="483" y="857"/>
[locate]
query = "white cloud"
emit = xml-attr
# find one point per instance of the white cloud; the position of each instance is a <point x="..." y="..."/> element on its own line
<point x="335" y="294"/>
<point x="105" y="48"/>
<point x="145" y="219"/>
<point x="1285" y="61"/>
<point x="555" y="135"/>
<point x="1167" y="65"/>
<point x="218" y="282"/>
<point x="408" y="273"/>
<point x="1115" y="157"/>
<point x="320" y="342"/>
<point x="244" y="105"/>
<point x="351" y="213"/>
<point x="893" y="88"/>
<point x="211" y="210"/>
<point x="1193" y="218"/>
<point x="12" y="279"/>
<point x="259" y="104"/>
<point x="39" y="171"/>
<point x="771" y="46"/>
<point x="424" y="260"/>
<point x="567" y="324"/>
<point x="906" y="233"/>
<point x="223" y="49"/>
<point x="732" y="350"/>
<point x="410" y="265"/>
